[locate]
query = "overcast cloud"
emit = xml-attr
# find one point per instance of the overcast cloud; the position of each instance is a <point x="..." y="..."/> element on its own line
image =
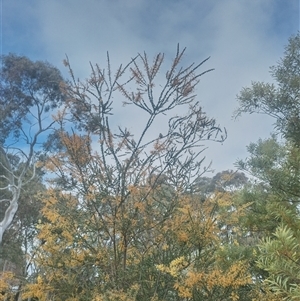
<point x="243" y="38"/>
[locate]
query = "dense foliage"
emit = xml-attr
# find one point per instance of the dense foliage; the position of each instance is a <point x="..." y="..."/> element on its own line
<point x="275" y="165"/>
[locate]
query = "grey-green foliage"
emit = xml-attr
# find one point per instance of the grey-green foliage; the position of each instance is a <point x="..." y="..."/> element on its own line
<point x="24" y="86"/>
<point x="281" y="99"/>
<point x="226" y="180"/>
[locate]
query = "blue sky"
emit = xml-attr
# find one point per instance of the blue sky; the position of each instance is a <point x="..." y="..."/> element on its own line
<point x="243" y="38"/>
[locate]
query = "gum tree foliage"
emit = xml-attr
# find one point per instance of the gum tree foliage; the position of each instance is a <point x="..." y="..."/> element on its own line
<point x="117" y="188"/>
<point x="275" y="165"/>
<point x="225" y="180"/>
<point x="28" y="92"/>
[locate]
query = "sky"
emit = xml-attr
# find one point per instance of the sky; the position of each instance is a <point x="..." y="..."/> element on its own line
<point x="243" y="38"/>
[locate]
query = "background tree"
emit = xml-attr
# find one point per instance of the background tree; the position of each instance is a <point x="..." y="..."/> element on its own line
<point x="226" y="180"/>
<point x="275" y="165"/>
<point x="28" y="91"/>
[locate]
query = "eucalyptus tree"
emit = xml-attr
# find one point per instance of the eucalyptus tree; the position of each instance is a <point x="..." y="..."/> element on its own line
<point x="29" y="91"/>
